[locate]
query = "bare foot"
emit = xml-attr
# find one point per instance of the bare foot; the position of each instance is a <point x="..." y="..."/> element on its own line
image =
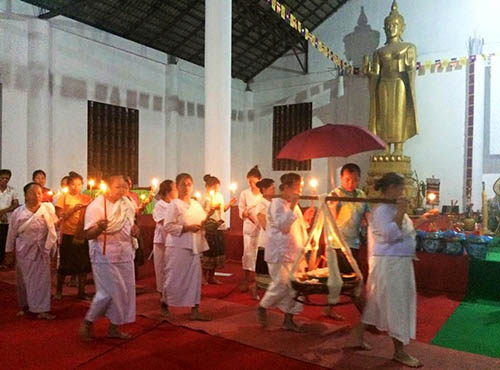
<point x="407" y="360"/>
<point x="292" y="326"/>
<point x="244" y="287"/>
<point x="333" y="315"/>
<point x="113" y="332"/>
<point x="356" y="339"/>
<point x="253" y="292"/>
<point x="197" y="316"/>
<point x="262" y="316"/>
<point x="45" y="316"/>
<point x="86" y="331"/>
<point x="164" y="310"/>
<point x="215" y="281"/>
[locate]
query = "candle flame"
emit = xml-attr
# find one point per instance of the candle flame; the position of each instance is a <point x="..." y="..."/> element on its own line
<point x="50" y="193"/>
<point x="233" y="187"/>
<point x="103" y="187"/>
<point x="142" y="196"/>
<point x="431" y="197"/>
<point x="197" y="195"/>
<point x="91" y="183"/>
<point x="212" y="193"/>
<point x="313" y="183"/>
<point x="65" y="189"/>
<point x="154" y="182"/>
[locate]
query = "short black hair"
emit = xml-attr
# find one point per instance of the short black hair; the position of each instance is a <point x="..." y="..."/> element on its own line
<point x="38" y="172"/>
<point x="254" y="172"/>
<point x="29" y="185"/>
<point x="390" y="178"/>
<point x="350" y="167"/>
<point x="5" y="171"/>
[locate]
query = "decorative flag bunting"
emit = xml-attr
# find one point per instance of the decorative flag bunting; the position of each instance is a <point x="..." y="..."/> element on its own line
<point x="345" y="68"/>
<point x="285" y="13"/>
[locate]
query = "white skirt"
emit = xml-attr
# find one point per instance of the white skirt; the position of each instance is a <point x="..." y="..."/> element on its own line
<point x="391" y="302"/>
<point x="182" y="285"/>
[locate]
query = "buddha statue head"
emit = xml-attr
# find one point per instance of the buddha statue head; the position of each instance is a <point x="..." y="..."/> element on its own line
<point x="394" y="24"/>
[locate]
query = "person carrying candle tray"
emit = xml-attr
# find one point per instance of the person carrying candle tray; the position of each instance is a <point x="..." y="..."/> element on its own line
<point x="74" y="250"/>
<point x="286" y="233"/>
<point x="166" y="193"/>
<point x="185" y="241"/>
<point x="349" y="217"/>
<point x="248" y="200"/>
<point x="32" y="237"/>
<point x="112" y="235"/>
<point x="214" y="202"/>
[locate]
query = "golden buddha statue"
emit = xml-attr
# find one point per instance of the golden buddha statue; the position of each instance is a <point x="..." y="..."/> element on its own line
<point x="392" y="86"/>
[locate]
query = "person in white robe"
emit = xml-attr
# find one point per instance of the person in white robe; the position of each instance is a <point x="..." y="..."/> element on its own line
<point x="110" y="229"/>
<point x="391" y="291"/>
<point x="32" y="237"/>
<point x="249" y="198"/>
<point x="166" y="193"/>
<point x="262" y="277"/>
<point x="286" y="232"/>
<point x="184" y="243"/>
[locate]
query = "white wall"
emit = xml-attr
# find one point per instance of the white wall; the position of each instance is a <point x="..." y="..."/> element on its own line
<point x="439" y="29"/>
<point x="87" y="64"/>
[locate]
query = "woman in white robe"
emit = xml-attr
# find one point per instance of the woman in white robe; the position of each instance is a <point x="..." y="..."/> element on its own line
<point x="111" y="231"/>
<point x="32" y="236"/>
<point x="166" y="193"/>
<point x="391" y="292"/>
<point x="184" y="243"/>
<point x="286" y="232"/>
<point x="249" y="198"/>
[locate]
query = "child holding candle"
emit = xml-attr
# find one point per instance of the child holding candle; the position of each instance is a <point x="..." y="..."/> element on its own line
<point x="74" y="250"/>
<point x="166" y="193"/>
<point x="248" y="200"/>
<point x="214" y="201"/>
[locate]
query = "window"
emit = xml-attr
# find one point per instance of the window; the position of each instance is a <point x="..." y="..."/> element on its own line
<point x="113" y="141"/>
<point x="288" y="121"/>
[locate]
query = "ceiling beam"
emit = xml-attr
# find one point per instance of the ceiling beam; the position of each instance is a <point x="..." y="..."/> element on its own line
<point x="63" y="9"/>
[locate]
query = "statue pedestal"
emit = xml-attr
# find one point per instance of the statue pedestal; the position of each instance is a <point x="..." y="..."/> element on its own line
<point x="382" y="164"/>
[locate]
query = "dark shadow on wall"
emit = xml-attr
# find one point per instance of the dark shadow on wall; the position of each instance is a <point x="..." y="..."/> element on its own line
<point x="363" y="41"/>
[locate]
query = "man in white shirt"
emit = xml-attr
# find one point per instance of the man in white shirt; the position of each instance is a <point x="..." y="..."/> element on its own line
<point x="8" y="203"/>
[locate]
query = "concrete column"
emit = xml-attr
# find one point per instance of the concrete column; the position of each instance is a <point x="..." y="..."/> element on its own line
<point x="218" y="91"/>
<point x="39" y="109"/>
<point x="478" y="140"/>
<point x="171" y="120"/>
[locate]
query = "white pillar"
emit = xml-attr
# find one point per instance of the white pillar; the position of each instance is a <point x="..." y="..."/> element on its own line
<point x="171" y="120"/>
<point x="478" y="142"/>
<point x="39" y="107"/>
<point x="218" y="91"/>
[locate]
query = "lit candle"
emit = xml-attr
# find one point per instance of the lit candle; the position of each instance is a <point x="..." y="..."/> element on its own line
<point x="143" y="197"/>
<point x="233" y="187"/>
<point x="65" y="192"/>
<point x="212" y="197"/>
<point x="50" y="193"/>
<point x="197" y="195"/>
<point x="103" y="187"/>
<point x="91" y="183"/>
<point x="154" y="184"/>
<point x="313" y="183"/>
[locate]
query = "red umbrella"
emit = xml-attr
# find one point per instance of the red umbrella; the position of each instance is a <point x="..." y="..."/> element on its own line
<point x="330" y="141"/>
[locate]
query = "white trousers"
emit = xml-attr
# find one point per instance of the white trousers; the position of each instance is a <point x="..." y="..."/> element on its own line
<point x="280" y="294"/>
<point x="115" y="292"/>
<point x="250" y="248"/>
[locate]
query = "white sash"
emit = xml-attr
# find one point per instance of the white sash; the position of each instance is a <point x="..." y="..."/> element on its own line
<point x="47" y="211"/>
<point x="195" y="215"/>
<point x="123" y="210"/>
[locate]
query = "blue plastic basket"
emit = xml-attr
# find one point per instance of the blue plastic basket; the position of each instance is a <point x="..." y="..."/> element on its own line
<point x="477" y="250"/>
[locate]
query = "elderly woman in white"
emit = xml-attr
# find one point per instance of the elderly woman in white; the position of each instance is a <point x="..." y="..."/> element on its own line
<point x="184" y="243"/>
<point x="111" y="230"/>
<point x="32" y="235"/>
<point x="391" y="293"/>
